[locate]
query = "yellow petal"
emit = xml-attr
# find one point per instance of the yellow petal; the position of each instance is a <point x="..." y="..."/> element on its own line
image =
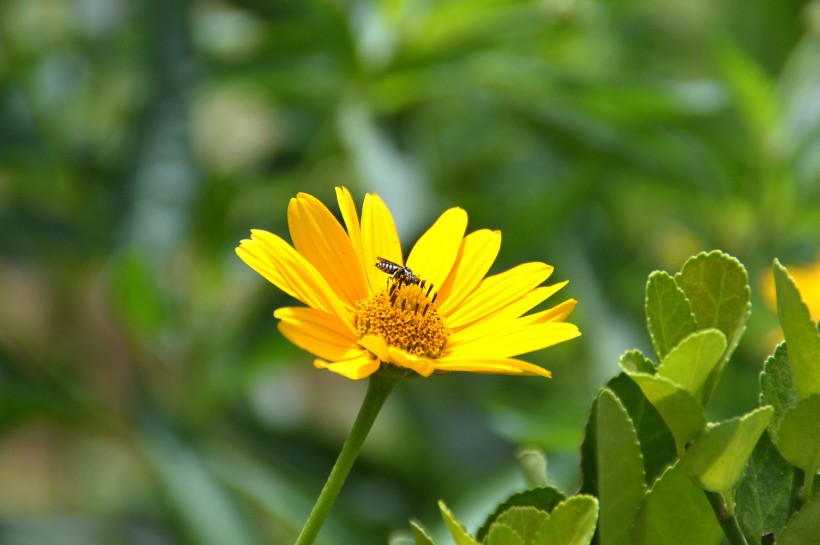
<point x="321" y="240"/>
<point x="475" y="257"/>
<point x="506" y="316"/>
<point x="390" y="354"/>
<point x="355" y="368"/>
<point x="351" y="219"/>
<point x="376" y="345"/>
<point x="422" y="366"/>
<point x="278" y="262"/>
<point x="517" y="339"/>
<point x="320" y="333"/>
<point x="379" y="239"/>
<point x="496" y="292"/>
<point x="558" y="313"/>
<point x="507" y="366"/>
<point x="435" y="252"/>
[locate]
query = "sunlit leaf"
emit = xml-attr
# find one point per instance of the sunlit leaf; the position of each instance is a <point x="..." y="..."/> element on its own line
<point x="656" y="441"/>
<point x="801" y="334"/>
<point x="717" y="287"/>
<point x="675" y="512"/>
<point x="621" y="484"/>
<point x="420" y="533"/>
<point x="693" y="359"/>
<point x="501" y="534"/>
<point x="683" y="414"/>
<point x="634" y="361"/>
<point x="572" y="522"/>
<point x="524" y="521"/>
<point x="457" y="531"/>
<point x="668" y="315"/>
<point x="543" y="498"/>
<point x="718" y="456"/>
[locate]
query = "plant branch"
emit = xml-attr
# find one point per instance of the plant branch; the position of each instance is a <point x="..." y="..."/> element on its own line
<point x="379" y="388"/>
<point x="726" y="518"/>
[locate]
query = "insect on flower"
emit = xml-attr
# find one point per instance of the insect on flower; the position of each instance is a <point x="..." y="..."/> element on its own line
<point x="400" y="273"/>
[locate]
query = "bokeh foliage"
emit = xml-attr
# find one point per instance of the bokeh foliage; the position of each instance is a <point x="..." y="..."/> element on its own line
<point x="145" y="395"/>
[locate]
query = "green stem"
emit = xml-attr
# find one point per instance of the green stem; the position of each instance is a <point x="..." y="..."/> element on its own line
<point x="379" y="388"/>
<point x="796" y="496"/>
<point x="726" y="518"/>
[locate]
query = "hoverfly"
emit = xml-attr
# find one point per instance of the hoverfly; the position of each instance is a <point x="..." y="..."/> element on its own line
<point x="400" y="273"/>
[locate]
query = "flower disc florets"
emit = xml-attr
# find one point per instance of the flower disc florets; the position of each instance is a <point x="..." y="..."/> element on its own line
<point x="405" y="317"/>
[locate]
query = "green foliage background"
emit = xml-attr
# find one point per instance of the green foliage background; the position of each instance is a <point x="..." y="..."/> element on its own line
<point x="145" y="394"/>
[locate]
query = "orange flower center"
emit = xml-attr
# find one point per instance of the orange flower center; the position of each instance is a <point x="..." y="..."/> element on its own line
<point x="405" y="316"/>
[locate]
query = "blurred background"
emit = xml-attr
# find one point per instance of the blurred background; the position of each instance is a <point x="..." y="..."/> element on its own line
<point x="146" y="396"/>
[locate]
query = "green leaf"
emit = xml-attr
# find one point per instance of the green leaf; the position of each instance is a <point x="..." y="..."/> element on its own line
<point x="680" y="410"/>
<point x="572" y="522"/>
<point x="764" y="492"/>
<point x="621" y="484"/>
<point x="668" y="315"/>
<point x="525" y="521"/>
<point x="801" y="334"/>
<point x="717" y="458"/>
<point x="717" y="287"/>
<point x="798" y="436"/>
<point x="543" y="498"/>
<point x="420" y="533"/>
<point x="777" y="386"/>
<point x="657" y="443"/>
<point x="675" y="512"/>
<point x="635" y="362"/>
<point x="804" y="526"/>
<point x="460" y="535"/>
<point x="693" y="359"/>
<point x="501" y="534"/>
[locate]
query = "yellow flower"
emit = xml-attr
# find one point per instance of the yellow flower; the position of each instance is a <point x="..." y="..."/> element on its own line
<point x="807" y="279"/>
<point x="439" y="314"/>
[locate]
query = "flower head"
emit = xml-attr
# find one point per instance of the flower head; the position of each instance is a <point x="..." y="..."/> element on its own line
<point x="436" y="312"/>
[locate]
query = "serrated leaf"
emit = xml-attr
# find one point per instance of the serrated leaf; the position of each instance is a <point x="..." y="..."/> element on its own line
<point x="804" y="526"/>
<point x="572" y="522"/>
<point x="798" y="436"/>
<point x="777" y="386"/>
<point x="621" y="484"/>
<point x="764" y="492"/>
<point x="801" y="334"/>
<point x="634" y="361"/>
<point x="457" y="531"/>
<point x="693" y="359"/>
<point x="420" y="533"/>
<point x="501" y="534"/>
<point x="717" y="287"/>
<point x="543" y="498"/>
<point x="675" y="512"/>
<point x="657" y="443"/>
<point x="683" y="414"/>
<point x="717" y="458"/>
<point x="668" y="315"/>
<point x="526" y="521"/>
